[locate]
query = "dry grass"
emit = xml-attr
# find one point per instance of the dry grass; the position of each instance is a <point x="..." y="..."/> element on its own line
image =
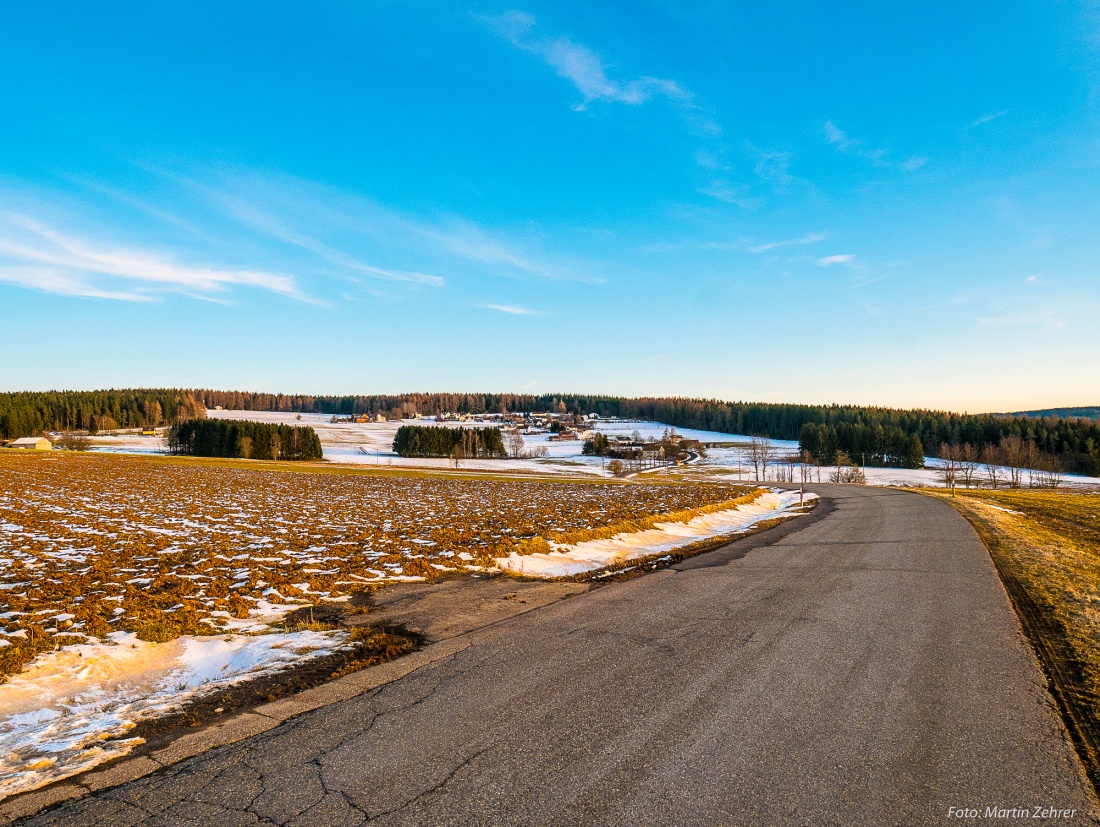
<point x="91" y="544"/>
<point x="1052" y="546"/>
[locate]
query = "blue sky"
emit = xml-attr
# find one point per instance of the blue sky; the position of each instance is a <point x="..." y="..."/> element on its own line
<point x="775" y="202"/>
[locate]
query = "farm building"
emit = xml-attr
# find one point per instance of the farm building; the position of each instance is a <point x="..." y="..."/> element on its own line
<point x="32" y="443"/>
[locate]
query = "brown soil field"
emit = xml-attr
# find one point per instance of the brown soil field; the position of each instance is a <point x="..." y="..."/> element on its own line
<point x="91" y="544"/>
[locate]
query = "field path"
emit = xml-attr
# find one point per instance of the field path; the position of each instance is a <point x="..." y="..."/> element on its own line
<point x="858" y="666"/>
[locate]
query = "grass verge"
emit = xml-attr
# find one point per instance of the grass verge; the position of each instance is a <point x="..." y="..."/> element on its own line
<point x="1046" y="548"/>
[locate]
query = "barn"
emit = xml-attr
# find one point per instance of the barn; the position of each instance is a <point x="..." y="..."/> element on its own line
<point x="32" y="443"/>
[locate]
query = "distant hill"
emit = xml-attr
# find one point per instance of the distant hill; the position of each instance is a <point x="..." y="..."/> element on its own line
<point x="1081" y="413"/>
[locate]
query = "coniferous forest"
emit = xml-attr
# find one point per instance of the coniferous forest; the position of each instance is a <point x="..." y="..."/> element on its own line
<point x="874" y="432"/>
<point x="438" y="441"/>
<point x="29" y="413"/>
<point x="245" y="440"/>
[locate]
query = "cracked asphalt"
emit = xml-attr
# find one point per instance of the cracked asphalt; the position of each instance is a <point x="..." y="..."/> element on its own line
<point x="860" y="665"/>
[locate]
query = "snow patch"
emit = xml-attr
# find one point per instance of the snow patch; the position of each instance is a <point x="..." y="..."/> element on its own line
<point x="68" y="710"/>
<point x="568" y="560"/>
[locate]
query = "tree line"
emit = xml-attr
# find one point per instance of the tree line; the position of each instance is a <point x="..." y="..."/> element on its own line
<point x="31" y="413"/>
<point x="456" y="443"/>
<point x="398" y="406"/>
<point x="874" y="445"/>
<point x="1075" y="441"/>
<point x="244" y="440"/>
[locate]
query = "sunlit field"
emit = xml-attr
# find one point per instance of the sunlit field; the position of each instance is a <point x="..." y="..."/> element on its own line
<point x="93" y="544"/>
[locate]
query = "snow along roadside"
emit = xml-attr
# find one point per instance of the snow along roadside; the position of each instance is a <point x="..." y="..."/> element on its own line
<point x="66" y="712"/>
<point x="578" y="558"/>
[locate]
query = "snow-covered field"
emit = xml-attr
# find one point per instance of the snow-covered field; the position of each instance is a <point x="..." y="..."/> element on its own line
<point x="70" y="709"/>
<point x="371" y="444"/>
<point x="566" y="560"/>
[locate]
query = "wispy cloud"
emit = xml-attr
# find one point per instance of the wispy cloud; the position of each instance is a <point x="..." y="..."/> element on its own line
<point x="709" y="159"/>
<point x="829" y="261"/>
<point x="723" y="190"/>
<point x="511" y="309"/>
<point x="360" y="237"/>
<point x="471" y="242"/>
<point x="210" y="233"/>
<point x="36" y="255"/>
<point x="879" y="157"/>
<point x="987" y="118"/>
<point x="582" y="66"/>
<point x="809" y="238"/>
<point x="259" y="219"/>
<point x="839" y="138"/>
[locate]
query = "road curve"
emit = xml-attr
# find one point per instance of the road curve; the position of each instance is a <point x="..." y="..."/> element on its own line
<point x="861" y="665"/>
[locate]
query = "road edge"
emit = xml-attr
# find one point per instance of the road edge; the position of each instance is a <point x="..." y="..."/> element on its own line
<point x="1079" y="720"/>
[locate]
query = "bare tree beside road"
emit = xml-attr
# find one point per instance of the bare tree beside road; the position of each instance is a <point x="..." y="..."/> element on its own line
<point x="968" y="463"/>
<point x="760" y="454"/>
<point x="948" y="470"/>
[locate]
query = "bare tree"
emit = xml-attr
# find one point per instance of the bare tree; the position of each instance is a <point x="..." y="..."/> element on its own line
<point x="73" y="442"/>
<point x="513" y="443"/>
<point x="1051" y="472"/>
<point x="791" y="460"/>
<point x="760" y="453"/>
<point x="948" y="469"/>
<point x="1033" y="465"/>
<point x="615" y="466"/>
<point x="1014" y="452"/>
<point x="991" y="461"/>
<point x="457" y="455"/>
<point x="806" y="467"/>
<point x="968" y="463"/>
<point x="1055" y="471"/>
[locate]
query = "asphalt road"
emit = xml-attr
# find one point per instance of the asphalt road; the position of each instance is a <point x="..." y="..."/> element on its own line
<point x="858" y="666"/>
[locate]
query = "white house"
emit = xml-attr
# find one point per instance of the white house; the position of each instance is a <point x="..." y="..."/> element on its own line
<point x="32" y="443"/>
